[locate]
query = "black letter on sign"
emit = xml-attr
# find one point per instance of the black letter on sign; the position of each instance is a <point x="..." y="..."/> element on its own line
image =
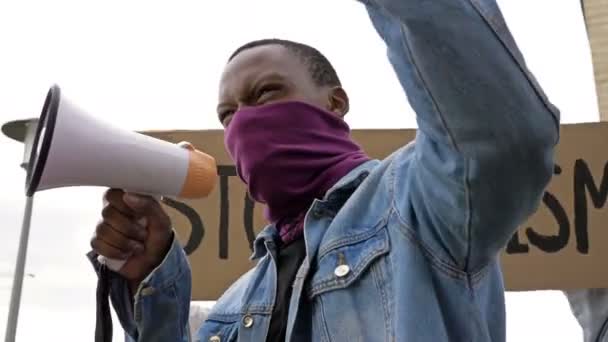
<point x="248" y="220"/>
<point x="224" y="171"/>
<point x="549" y="244"/>
<point x="516" y="247"/>
<point x="583" y="180"/>
<point x="198" y="229"/>
<point x="552" y="244"/>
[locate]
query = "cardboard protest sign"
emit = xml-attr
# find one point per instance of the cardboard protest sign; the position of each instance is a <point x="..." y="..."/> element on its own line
<point x="563" y="246"/>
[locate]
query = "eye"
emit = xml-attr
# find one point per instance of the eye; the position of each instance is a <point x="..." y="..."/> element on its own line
<point x="267" y="91"/>
<point x="225" y="115"/>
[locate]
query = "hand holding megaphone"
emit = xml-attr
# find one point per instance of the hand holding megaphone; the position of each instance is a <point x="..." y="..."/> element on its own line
<point x="134" y="234"/>
<point x="144" y="232"/>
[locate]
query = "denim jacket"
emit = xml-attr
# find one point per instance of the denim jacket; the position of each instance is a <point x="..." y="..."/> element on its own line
<point x="405" y="248"/>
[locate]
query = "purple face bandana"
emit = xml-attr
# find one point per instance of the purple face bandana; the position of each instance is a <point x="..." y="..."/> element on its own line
<point x="288" y="154"/>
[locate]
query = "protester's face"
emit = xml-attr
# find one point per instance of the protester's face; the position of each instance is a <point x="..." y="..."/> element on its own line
<point x="268" y="74"/>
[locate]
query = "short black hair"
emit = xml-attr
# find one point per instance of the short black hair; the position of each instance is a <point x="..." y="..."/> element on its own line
<point x="321" y="70"/>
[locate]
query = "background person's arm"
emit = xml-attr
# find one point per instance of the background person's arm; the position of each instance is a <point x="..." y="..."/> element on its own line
<point x="590" y="307"/>
<point x="198" y="315"/>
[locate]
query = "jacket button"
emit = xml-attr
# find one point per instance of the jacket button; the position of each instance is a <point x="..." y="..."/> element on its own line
<point x="147" y="291"/>
<point x="247" y="321"/>
<point x="341" y="271"/>
<point x="215" y="339"/>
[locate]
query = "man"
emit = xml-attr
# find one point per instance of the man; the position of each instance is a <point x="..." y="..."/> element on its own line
<point x="403" y="249"/>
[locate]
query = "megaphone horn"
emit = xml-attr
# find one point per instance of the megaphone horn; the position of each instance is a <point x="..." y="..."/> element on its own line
<point x="72" y="148"/>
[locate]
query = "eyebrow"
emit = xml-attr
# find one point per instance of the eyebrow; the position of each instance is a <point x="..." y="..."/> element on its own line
<point x="273" y="76"/>
<point x="269" y="76"/>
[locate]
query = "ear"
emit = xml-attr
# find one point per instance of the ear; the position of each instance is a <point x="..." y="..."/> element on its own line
<point x="338" y="101"/>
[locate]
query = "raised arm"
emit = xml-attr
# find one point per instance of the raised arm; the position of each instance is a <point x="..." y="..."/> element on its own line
<point x="484" y="150"/>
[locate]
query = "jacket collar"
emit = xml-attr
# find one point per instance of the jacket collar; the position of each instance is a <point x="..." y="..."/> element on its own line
<point x="333" y="200"/>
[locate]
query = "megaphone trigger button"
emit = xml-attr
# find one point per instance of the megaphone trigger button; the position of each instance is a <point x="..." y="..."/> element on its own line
<point x="143" y="222"/>
<point x="186" y="145"/>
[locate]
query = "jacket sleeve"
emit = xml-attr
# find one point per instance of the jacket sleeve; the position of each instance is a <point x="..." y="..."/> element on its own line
<point x="590" y="307"/>
<point x="484" y="151"/>
<point x="159" y="310"/>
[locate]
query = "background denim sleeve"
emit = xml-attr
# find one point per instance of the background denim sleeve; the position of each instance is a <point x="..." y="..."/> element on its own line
<point x="590" y="307"/>
<point x="484" y="152"/>
<point x="159" y="310"/>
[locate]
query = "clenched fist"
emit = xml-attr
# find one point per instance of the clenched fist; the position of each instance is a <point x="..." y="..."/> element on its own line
<point x="136" y="228"/>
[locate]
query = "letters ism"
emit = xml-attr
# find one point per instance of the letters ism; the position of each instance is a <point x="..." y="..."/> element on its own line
<point x="584" y="185"/>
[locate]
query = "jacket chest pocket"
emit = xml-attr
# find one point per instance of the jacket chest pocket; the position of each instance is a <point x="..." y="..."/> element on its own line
<point x="349" y="290"/>
<point x="219" y="329"/>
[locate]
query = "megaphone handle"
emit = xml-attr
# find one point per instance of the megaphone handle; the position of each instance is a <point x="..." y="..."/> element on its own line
<point x="113" y="264"/>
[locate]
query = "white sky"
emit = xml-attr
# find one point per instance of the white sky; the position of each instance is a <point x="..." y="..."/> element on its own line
<point x="155" y="65"/>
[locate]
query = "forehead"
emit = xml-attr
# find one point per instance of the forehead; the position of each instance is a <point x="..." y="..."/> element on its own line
<point x="261" y="61"/>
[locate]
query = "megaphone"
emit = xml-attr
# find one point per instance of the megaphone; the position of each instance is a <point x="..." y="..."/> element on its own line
<point x="73" y="148"/>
